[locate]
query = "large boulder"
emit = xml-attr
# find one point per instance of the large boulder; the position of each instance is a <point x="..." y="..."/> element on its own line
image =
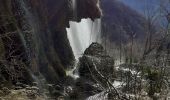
<point x="96" y="65"/>
<point x="95" y="68"/>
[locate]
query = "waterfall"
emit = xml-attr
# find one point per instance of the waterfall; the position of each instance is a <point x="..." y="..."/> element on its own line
<point x="74" y="8"/>
<point x="82" y="34"/>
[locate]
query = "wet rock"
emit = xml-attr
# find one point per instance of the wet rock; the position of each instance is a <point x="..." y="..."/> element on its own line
<point x="1" y="86"/>
<point x="32" y="92"/>
<point x="1" y="93"/>
<point x="59" y="87"/>
<point x="95" y="63"/>
<point x="35" y="84"/>
<point x="27" y="86"/>
<point x="6" y="91"/>
<point x="88" y="9"/>
<point x="18" y="88"/>
<point x="95" y="68"/>
<point x="50" y="88"/>
<point x="35" y="88"/>
<point x="68" y="89"/>
<point x="85" y="88"/>
<point x="20" y="85"/>
<point x="144" y="93"/>
<point x="95" y="49"/>
<point x="60" y="98"/>
<point x="57" y="93"/>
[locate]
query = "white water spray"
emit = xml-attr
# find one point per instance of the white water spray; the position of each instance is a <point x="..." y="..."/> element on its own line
<point x="82" y="34"/>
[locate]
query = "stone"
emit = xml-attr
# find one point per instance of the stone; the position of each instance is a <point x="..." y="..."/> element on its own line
<point x="68" y="89"/>
<point x="19" y="84"/>
<point x="95" y="49"/>
<point x="32" y="92"/>
<point x="57" y="93"/>
<point x="18" y="88"/>
<point x="60" y="98"/>
<point x="88" y="9"/>
<point x="6" y="91"/>
<point x="58" y="87"/>
<point x="50" y="88"/>
<point x="94" y="66"/>
<point x="34" y="83"/>
<point x="28" y="88"/>
<point x="86" y="87"/>
<point x="35" y="88"/>
<point x="1" y="93"/>
<point x="96" y="63"/>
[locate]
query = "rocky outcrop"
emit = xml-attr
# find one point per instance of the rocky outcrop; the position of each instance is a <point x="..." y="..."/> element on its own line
<point x="95" y="62"/>
<point x="95" y="66"/>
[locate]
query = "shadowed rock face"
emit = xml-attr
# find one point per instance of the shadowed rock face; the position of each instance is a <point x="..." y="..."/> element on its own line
<point x="62" y="10"/>
<point x="50" y="51"/>
<point x="88" y="9"/>
<point x="55" y="15"/>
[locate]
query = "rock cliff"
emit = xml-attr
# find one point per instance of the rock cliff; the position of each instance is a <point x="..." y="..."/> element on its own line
<point x="34" y="32"/>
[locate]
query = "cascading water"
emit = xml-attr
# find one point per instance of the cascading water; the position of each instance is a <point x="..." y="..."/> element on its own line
<point x="81" y="35"/>
<point x="74" y="6"/>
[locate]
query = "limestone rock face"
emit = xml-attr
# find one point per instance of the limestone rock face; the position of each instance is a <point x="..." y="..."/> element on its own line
<point x="38" y="33"/>
<point x="88" y="9"/>
<point x="55" y="15"/>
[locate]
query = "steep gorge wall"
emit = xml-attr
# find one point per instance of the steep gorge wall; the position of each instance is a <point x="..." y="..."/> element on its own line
<point x="38" y="31"/>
